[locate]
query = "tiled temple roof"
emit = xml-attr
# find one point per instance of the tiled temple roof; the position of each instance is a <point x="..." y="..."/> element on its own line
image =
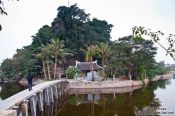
<point x="87" y="66"/>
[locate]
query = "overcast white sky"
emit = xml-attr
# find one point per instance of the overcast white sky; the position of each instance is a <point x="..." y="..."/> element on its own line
<point x="25" y="17"/>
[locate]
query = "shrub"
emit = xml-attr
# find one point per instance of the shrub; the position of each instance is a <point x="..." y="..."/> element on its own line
<point x="71" y="72"/>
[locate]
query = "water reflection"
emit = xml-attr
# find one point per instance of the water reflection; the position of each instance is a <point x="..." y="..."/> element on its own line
<point x="166" y="97"/>
<point x="115" y="104"/>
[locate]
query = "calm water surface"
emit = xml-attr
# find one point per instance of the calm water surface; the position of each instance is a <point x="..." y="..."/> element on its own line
<point x="157" y="98"/>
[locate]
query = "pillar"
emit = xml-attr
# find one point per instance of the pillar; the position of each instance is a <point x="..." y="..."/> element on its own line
<point x="59" y="90"/>
<point x="40" y="101"/>
<point x="32" y="106"/>
<point x="113" y="76"/>
<point x="51" y="94"/>
<point x="17" y="109"/>
<point x="35" y="98"/>
<point x="55" y="106"/>
<point x="24" y="107"/>
<point x="55" y="91"/>
<point x="114" y="95"/>
<point x="46" y="96"/>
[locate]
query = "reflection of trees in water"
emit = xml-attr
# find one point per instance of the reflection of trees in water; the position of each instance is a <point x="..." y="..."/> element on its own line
<point x="10" y="89"/>
<point x="159" y="84"/>
<point x="123" y="104"/>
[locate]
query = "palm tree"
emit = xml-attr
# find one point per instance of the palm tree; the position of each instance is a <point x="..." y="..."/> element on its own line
<point x="103" y="50"/>
<point x="56" y="47"/>
<point x="42" y="56"/>
<point x="47" y="52"/>
<point x="91" y="50"/>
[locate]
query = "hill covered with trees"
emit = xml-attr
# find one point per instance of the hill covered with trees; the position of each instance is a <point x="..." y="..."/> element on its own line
<point x="72" y="31"/>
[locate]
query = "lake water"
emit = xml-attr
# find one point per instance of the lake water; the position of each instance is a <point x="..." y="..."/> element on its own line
<point x="156" y="98"/>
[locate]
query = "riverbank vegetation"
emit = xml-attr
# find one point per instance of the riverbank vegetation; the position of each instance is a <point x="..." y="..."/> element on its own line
<point x="71" y="35"/>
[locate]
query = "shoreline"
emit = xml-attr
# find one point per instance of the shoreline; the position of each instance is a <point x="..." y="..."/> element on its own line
<point x="74" y="84"/>
<point x="104" y="90"/>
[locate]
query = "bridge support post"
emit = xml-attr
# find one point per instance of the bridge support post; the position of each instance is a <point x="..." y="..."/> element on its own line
<point x="55" y="91"/>
<point x="33" y="106"/>
<point x="68" y="86"/>
<point x="61" y="87"/>
<point x="35" y="98"/>
<point x="46" y="96"/>
<point x="51" y="94"/>
<point x="24" y="107"/>
<point x="40" y="101"/>
<point x="17" y="109"/>
<point x="59" y="90"/>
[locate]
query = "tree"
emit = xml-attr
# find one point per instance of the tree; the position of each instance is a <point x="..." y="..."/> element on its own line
<point x="141" y="54"/>
<point x="2" y="10"/>
<point x="103" y="51"/>
<point x="43" y="36"/>
<point x="56" y="47"/>
<point x="91" y="50"/>
<point x="6" y="68"/>
<point x="47" y="52"/>
<point x="118" y="57"/>
<point x="74" y="26"/>
<point x="42" y="56"/>
<point x="138" y="32"/>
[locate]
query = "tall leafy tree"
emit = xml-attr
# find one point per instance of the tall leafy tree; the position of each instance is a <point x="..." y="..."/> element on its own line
<point x="140" y="56"/>
<point x="47" y="52"/>
<point x="74" y="26"/>
<point x="43" y="36"/>
<point x="6" y="68"/>
<point x="56" y="47"/>
<point x="103" y="51"/>
<point x="42" y="56"/>
<point x="90" y="52"/>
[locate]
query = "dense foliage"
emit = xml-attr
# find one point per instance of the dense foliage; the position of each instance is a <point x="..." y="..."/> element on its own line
<point x="56" y="47"/>
<point x="71" y="25"/>
<point x="71" y="72"/>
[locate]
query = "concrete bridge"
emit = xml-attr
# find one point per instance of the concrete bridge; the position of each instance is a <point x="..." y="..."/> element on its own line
<point x="44" y="93"/>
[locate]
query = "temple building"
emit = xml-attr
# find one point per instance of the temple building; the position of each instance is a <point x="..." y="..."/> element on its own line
<point x="85" y="67"/>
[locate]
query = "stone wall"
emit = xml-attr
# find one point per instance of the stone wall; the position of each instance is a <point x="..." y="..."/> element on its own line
<point x="103" y="90"/>
<point x="163" y="77"/>
<point x="105" y="84"/>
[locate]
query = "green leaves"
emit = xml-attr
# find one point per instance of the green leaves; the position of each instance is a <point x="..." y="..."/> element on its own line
<point x="71" y="72"/>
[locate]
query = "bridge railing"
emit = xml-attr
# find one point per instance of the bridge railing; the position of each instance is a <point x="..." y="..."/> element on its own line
<point x="44" y="93"/>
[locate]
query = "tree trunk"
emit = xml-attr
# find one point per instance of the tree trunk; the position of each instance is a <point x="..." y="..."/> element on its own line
<point x="55" y="68"/>
<point x="103" y="64"/>
<point x="92" y="69"/>
<point x="48" y="69"/>
<point x="129" y="73"/>
<point x="44" y="69"/>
